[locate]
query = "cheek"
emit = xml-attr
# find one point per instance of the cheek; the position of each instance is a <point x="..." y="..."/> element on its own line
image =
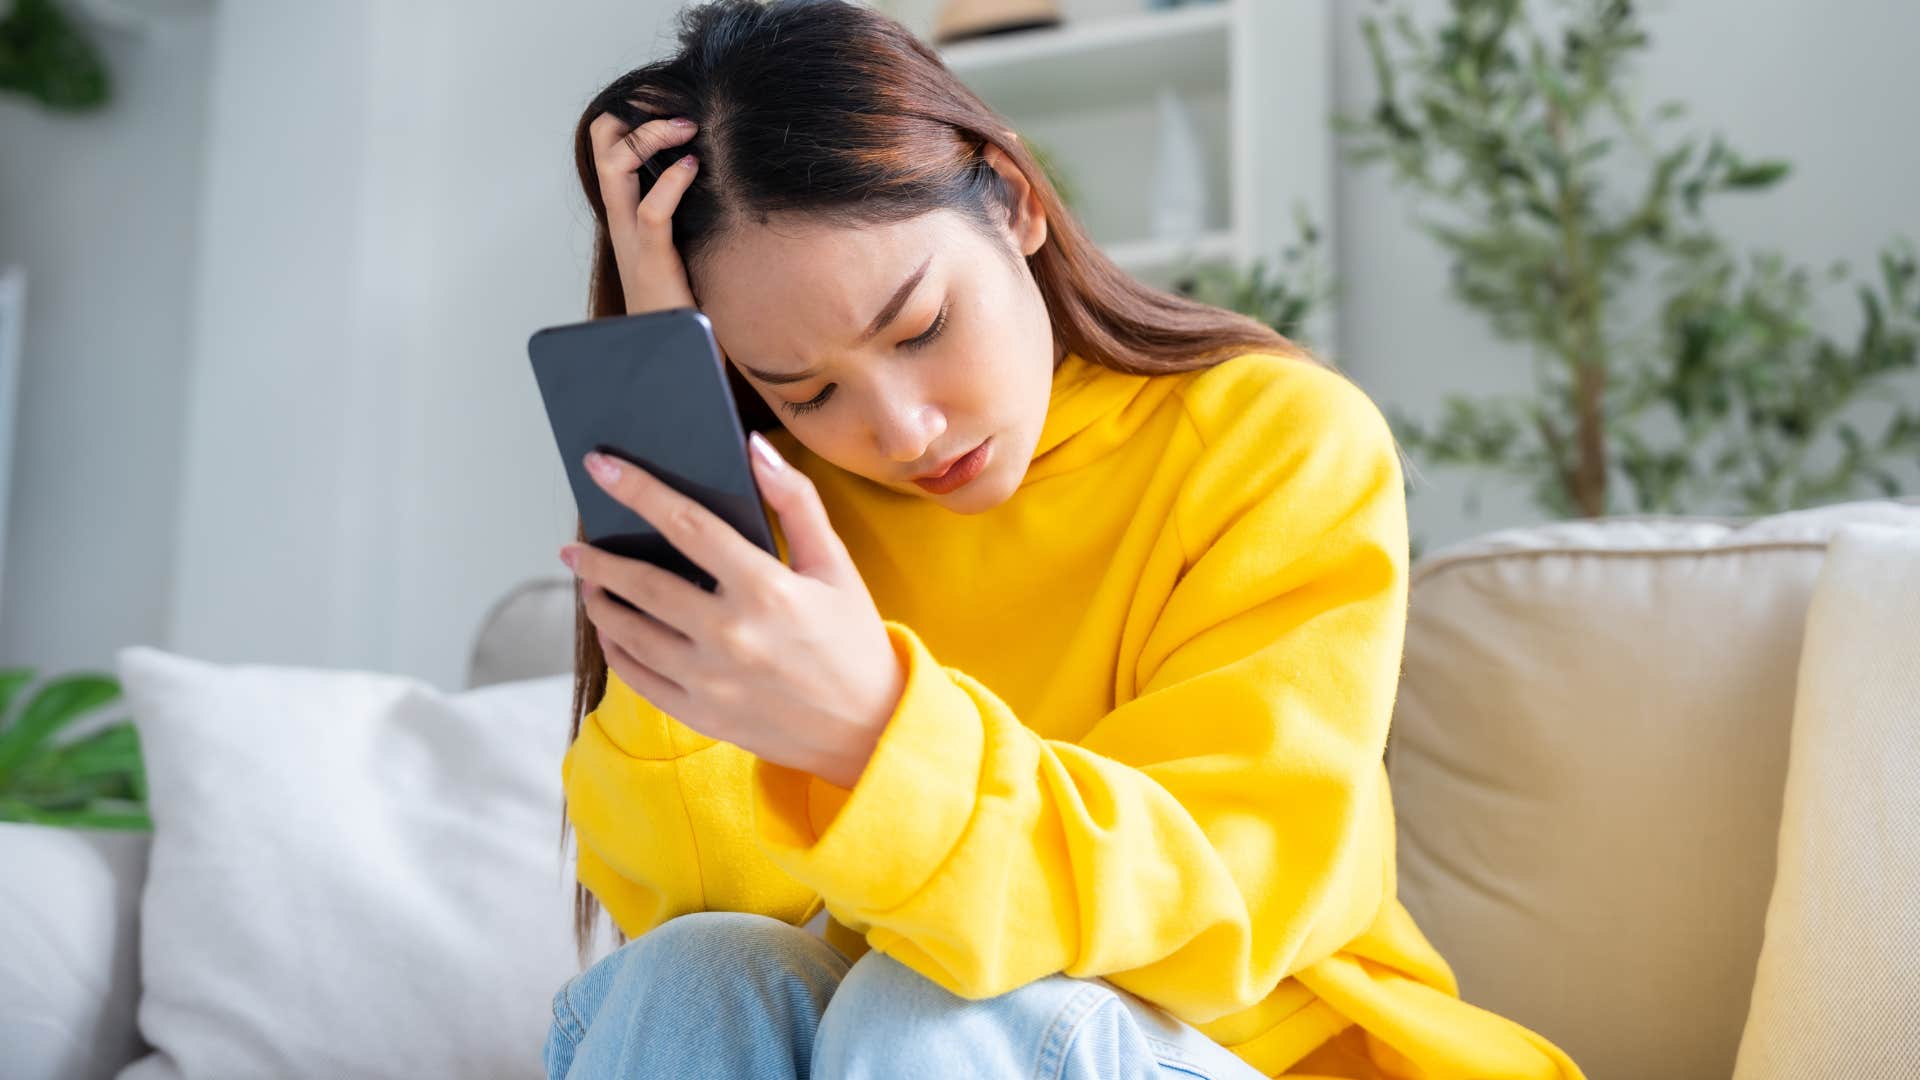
<point x="986" y="371"/>
<point x="831" y="442"/>
<point x="844" y="440"/>
<point x="975" y="392"/>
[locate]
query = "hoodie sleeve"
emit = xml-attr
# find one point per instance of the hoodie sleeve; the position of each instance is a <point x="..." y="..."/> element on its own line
<point x="663" y="816"/>
<point x="1226" y="825"/>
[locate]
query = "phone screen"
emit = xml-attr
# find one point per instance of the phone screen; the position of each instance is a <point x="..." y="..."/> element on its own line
<point x="650" y="389"/>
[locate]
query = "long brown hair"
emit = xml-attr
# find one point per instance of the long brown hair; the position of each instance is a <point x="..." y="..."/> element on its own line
<point x="831" y="111"/>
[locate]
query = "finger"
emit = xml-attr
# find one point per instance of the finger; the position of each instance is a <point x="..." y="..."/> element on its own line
<point x="814" y="548"/>
<point x="619" y="153"/>
<point x="706" y="539"/>
<point x="623" y="145"/>
<point x="652" y="644"/>
<point x="614" y="164"/>
<point x="645" y="143"/>
<point x="657" y="207"/>
<point x="667" y="597"/>
<point x="663" y="692"/>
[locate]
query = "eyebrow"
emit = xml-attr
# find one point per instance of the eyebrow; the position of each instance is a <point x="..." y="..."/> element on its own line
<point x="880" y="322"/>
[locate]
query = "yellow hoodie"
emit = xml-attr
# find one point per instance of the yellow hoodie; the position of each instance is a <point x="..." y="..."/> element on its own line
<point x="1141" y="738"/>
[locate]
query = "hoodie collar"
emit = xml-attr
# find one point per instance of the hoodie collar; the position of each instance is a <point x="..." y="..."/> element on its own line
<point x="1084" y="394"/>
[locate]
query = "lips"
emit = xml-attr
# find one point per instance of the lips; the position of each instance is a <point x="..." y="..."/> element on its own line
<point x="941" y="471"/>
<point x="961" y="472"/>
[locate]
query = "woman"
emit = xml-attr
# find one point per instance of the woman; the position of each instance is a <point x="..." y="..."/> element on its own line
<point x="1078" y="742"/>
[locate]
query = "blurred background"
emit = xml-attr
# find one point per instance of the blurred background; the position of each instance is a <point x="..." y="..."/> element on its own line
<point x="267" y="271"/>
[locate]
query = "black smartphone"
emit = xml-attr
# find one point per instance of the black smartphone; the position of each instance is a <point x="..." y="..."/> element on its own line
<point x="650" y="389"/>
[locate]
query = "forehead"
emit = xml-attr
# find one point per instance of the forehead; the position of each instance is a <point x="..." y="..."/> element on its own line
<point x="789" y="294"/>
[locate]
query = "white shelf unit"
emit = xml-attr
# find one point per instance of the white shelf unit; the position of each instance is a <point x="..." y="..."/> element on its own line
<point x="13" y="316"/>
<point x="1254" y="74"/>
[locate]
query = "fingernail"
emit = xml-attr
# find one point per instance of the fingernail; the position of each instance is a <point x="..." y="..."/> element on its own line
<point x="688" y="162"/>
<point x="604" y="469"/>
<point x="568" y="556"/>
<point x="681" y="121"/>
<point x="768" y="454"/>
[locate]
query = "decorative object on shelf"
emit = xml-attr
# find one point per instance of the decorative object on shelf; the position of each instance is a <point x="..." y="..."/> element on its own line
<point x="962" y="20"/>
<point x="45" y="56"/>
<point x="1179" y="175"/>
<point x="1734" y="401"/>
<point x="95" y="781"/>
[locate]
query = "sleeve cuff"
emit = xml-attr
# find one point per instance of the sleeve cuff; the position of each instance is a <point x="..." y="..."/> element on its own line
<point x="640" y="729"/>
<point x="871" y="847"/>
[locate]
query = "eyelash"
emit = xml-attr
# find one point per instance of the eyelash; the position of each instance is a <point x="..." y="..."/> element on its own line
<point x="933" y="332"/>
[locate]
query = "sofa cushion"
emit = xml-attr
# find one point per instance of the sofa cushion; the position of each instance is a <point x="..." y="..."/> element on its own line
<point x="1587" y="759"/>
<point x="1837" y="991"/>
<point x="69" y="975"/>
<point x="352" y="873"/>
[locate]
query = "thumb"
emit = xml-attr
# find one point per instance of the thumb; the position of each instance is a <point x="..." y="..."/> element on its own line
<point x="813" y="548"/>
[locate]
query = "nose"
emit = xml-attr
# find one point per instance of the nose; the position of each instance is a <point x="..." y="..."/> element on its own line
<point x="909" y="434"/>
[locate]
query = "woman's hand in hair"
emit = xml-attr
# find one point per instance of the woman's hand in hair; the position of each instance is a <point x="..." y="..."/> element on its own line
<point x="652" y="277"/>
<point x="790" y="663"/>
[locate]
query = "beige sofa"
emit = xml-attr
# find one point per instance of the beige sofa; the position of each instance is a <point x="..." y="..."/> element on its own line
<point x="1587" y="759"/>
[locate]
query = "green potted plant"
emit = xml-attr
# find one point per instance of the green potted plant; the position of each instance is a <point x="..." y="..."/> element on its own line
<point x="1732" y="399"/>
<point x="94" y="781"/>
<point x="44" y="56"/>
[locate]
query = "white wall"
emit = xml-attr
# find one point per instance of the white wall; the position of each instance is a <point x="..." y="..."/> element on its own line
<point x="369" y="466"/>
<point x="102" y="209"/>
<point x="350" y="215"/>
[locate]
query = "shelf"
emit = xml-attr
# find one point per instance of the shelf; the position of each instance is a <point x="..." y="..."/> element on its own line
<point x="1158" y="260"/>
<point x="1099" y="62"/>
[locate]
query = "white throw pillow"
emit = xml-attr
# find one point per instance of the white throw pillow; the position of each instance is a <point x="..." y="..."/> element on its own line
<point x="352" y="873"/>
<point x="68" y="962"/>
<point x="1837" y="990"/>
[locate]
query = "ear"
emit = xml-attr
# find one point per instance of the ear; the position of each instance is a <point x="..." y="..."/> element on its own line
<point x="1029" y="223"/>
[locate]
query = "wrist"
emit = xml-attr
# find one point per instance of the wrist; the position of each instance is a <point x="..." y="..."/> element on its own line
<point x="848" y="760"/>
<point x="844" y="767"/>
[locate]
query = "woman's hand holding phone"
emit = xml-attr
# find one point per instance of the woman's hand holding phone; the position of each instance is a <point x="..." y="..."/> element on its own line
<point x="652" y="276"/>
<point x="792" y="664"/>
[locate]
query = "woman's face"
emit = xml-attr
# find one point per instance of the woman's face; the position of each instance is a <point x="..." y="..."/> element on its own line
<point x="913" y="343"/>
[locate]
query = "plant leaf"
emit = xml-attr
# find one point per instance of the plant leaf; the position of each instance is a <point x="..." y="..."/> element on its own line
<point x="58" y="703"/>
<point x="1759" y="174"/>
<point x="12" y="681"/>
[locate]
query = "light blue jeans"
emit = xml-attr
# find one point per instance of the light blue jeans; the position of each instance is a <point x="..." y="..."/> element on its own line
<point x="740" y="996"/>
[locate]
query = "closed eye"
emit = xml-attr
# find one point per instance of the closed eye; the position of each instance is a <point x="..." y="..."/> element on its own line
<point x="922" y="341"/>
<point x="934" y="331"/>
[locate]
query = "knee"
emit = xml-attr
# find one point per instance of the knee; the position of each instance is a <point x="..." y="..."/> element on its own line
<point x="884" y="1008"/>
<point x="697" y="956"/>
<point x="874" y="1013"/>
<point x="879" y="986"/>
<point x="727" y="940"/>
<point x="667" y="990"/>
<point x="707" y="953"/>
